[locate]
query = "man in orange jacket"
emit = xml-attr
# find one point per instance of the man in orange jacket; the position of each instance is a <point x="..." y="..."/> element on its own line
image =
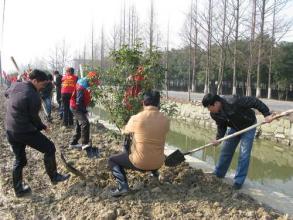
<point x="68" y="85"/>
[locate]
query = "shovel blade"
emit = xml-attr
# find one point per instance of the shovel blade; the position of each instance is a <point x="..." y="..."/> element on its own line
<point x="174" y="159"/>
<point x="71" y="168"/>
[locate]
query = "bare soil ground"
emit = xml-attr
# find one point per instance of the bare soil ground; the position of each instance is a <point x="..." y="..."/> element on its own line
<point x="180" y="193"/>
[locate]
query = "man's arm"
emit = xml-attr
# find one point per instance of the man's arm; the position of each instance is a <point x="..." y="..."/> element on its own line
<point x="130" y="126"/>
<point x="34" y="107"/>
<point x="221" y="127"/>
<point x="253" y="102"/>
<point x="80" y="100"/>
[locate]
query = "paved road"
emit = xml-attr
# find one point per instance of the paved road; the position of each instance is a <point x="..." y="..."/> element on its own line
<point x="274" y="105"/>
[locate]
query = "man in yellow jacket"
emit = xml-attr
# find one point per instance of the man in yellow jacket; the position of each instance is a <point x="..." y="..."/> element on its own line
<point x="149" y="129"/>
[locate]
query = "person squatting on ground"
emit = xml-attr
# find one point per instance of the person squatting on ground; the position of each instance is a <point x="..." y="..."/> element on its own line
<point x="79" y="102"/>
<point x="233" y="114"/>
<point x="46" y="95"/>
<point x="23" y="126"/>
<point x="58" y="83"/>
<point x="68" y="85"/>
<point x="149" y="129"/>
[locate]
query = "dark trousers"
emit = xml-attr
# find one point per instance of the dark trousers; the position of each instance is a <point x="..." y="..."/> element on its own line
<point x="58" y="96"/>
<point x="35" y="140"/>
<point x="82" y="128"/>
<point x="122" y="160"/>
<point x="67" y="114"/>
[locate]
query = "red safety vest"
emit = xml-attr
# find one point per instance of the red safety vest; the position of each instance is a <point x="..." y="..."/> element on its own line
<point x="68" y="83"/>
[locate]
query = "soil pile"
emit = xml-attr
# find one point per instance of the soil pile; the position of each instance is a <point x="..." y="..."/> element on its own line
<point x="180" y="193"/>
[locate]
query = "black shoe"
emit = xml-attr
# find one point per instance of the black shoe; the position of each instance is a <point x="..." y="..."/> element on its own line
<point x="237" y="186"/>
<point x="23" y="191"/>
<point x="59" y="178"/>
<point x="119" y="192"/>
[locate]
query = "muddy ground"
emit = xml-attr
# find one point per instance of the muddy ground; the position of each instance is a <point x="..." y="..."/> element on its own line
<point x="181" y="192"/>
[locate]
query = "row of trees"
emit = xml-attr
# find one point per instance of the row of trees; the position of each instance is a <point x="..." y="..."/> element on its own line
<point x="228" y="47"/>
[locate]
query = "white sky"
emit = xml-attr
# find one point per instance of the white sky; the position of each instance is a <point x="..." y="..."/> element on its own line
<point x="33" y="27"/>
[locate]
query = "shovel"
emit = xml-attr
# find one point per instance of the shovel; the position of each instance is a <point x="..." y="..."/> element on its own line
<point x="68" y="166"/>
<point x="177" y="156"/>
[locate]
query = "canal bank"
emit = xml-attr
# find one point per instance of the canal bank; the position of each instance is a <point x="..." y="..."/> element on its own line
<point x="270" y="179"/>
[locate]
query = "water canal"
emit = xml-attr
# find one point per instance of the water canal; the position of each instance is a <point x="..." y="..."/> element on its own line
<point x="271" y="164"/>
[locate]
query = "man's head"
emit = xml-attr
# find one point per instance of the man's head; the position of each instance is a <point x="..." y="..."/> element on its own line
<point x="212" y="102"/>
<point x="38" y="78"/>
<point x="56" y="72"/>
<point x="70" y="70"/>
<point x="151" y="98"/>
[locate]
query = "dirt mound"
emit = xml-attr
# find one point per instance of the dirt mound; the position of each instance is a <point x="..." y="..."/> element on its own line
<point x="180" y="193"/>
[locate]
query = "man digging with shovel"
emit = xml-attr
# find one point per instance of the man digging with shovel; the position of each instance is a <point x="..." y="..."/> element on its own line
<point x="231" y="115"/>
<point x="23" y="126"/>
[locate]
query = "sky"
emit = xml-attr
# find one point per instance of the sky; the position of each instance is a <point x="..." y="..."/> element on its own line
<point x="32" y="28"/>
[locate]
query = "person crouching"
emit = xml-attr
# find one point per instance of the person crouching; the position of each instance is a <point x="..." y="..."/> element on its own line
<point x="149" y="129"/>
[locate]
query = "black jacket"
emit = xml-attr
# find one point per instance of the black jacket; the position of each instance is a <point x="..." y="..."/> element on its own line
<point x="47" y="91"/>
<point x="23" y="106"/>
<point x="58" y="81"/>
<point x="236" y="113"/>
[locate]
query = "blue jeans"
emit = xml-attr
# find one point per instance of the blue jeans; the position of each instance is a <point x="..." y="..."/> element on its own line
<point x="48" y="105"/>
<point x="227" y="152"/>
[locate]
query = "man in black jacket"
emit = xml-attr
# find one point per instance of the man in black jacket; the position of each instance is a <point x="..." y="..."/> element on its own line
<point x="23" y="126"/>
<point x="58" y="83"/>
<point x="231" y="115"/>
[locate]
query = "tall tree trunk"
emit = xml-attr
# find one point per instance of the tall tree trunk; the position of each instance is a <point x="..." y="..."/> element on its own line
<point x="190" y="54"/>
<point x="222" y="53"/>
<point x="151" y="27"/>
<point x="193" y="85"/>
<point x="129" y="26"/>
<point x="208" y="65"/>
<point x="271" y="52"/>
<point x="235" y="50"/>
<point x="1" y="43"/>
<point x="251" y="49"/>
<point x="102" y="50"/>
<point x="259" y="57"/>
<point x="92" y="47"/>
<point x="84" y="54"/>
<point x="167" y="62"/>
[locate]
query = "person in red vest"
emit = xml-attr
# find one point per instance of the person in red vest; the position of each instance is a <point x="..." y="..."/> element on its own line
<point x="68" y="85"/>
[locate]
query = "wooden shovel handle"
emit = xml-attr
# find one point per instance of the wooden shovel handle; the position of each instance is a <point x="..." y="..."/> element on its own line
<point x="241" y="131"/>
<point x="15" y="64"/>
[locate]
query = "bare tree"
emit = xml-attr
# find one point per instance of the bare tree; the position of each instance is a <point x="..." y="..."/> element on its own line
<point x="260" y="46"/>
<point x="151" y="27"/>
<point x="190" y="52"/>
<point x="222" y="50"/>
<point x="235" y="47"/>
<point x="53" y="60"/>
<point x="251" y="48"/>
<point x="102" y="50"/>
<point x="271" y="51"/>
<point x="208" y="64"/>
<point x="195" y="46"/>
<point x="283" y="27"/>
<point x="167" y="60"/>
<point x="92" y="47"/>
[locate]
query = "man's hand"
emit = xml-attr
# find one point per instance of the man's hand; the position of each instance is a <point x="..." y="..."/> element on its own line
<point x="215" y="142"/>
<point x="269" y="118"/>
